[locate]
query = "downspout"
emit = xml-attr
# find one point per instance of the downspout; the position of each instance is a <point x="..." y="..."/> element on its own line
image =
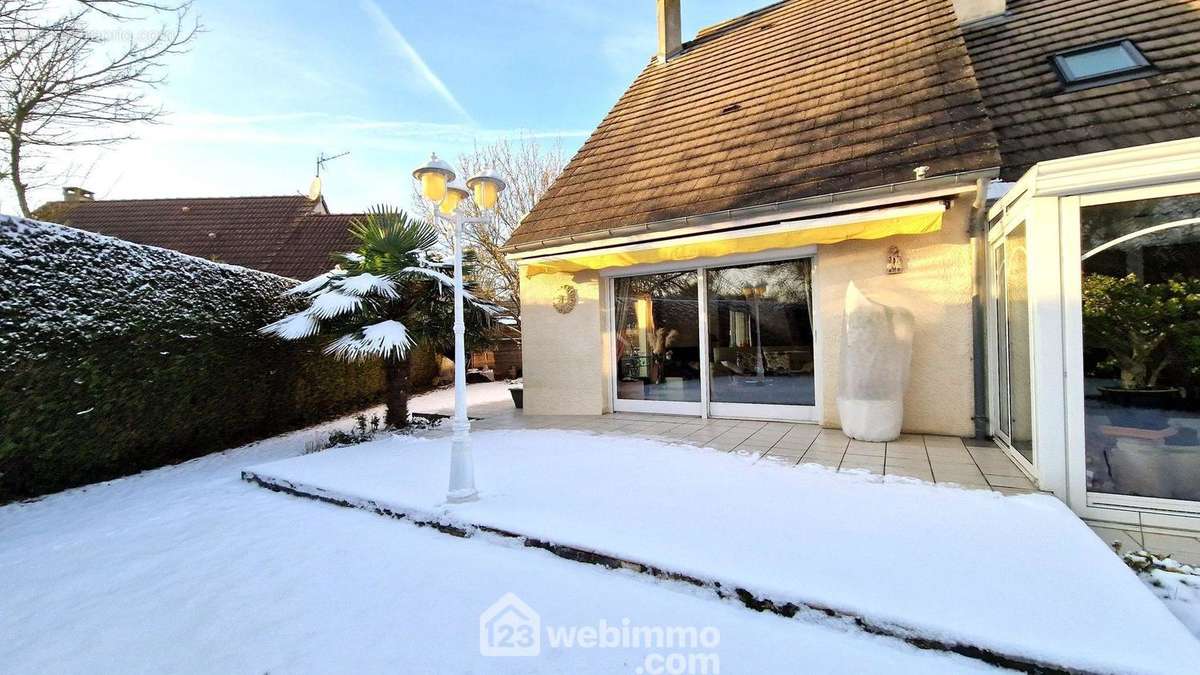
<point x="978" y="232"/>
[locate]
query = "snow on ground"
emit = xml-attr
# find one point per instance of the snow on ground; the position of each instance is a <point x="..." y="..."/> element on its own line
<point x="188" y="569"/>
<point x="1019" y="575"/>
<point x="1181" y="593"/>
<point x="1176" y="584"/>
<point x="441" y="401"/>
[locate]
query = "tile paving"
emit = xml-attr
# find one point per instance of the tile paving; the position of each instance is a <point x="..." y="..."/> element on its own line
<point x="937" y="459"/>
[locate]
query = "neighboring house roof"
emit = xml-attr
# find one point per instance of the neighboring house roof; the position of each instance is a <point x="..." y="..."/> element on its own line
<point x="802" y="98"/>
<point x="288" y="235"/>
<point x="1037" y="118"/>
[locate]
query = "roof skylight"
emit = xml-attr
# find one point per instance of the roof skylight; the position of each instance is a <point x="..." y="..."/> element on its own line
<point x="1101" y="64"/>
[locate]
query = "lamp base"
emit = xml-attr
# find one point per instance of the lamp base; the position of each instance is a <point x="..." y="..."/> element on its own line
<point x="461" y="496"/>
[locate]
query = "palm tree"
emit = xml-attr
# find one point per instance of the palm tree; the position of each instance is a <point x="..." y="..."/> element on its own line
<point x="388" y="295"/>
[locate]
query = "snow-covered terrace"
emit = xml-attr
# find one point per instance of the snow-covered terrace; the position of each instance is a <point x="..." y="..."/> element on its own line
<point x="1015" y="579"/>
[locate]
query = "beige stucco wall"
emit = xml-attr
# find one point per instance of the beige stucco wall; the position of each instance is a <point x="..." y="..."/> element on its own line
<point x="937" y="287"/>
<point x="565" y="360"/>
<point x="567" y="364"/>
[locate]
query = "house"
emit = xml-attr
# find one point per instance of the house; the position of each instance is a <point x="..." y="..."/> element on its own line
<point x="1009" y="173"/>
<point x="289" y="235"/>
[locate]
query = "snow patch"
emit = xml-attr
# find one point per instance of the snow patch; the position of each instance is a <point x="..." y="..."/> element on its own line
<point x="189" y="568"/>
<point x="1020" y="576"/>
<point x="386" y="338"/>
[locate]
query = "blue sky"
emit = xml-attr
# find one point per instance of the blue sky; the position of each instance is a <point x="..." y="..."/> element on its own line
<point x="272" y="83"/>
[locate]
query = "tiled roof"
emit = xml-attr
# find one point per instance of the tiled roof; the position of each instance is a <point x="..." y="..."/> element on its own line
<point x="802" y="98"/>
<point x="1037" y="119"/>
<point x="282" y="235"/>
<point x="305" y="253"/>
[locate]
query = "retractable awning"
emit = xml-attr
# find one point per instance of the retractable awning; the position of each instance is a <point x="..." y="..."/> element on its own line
<point x="920" y="218"/>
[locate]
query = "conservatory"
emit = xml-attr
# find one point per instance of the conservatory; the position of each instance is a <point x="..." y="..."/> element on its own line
<point x="1094" y="331"/>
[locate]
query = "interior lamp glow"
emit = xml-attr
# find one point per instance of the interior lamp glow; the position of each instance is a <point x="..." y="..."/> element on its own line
<point x="434" y="176"/>
<point x="486" y="186"/>
<point x="456" y="192"/>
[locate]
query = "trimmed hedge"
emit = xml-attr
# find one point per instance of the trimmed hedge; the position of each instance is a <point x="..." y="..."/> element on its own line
<point x="116" y="357"/>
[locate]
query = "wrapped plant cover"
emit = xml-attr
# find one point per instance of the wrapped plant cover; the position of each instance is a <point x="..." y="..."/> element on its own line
<point x="876" y="355"/>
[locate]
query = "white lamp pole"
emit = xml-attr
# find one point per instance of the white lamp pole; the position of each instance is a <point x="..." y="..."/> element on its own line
<point x="440" y="186"/>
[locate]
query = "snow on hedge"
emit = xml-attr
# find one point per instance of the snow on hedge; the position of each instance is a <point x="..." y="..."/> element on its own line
<point x="63" y="286"/>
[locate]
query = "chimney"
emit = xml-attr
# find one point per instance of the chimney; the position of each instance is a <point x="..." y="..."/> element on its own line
<point x="968" y="11"/>
<point x="670" y="37"/>
<point x="77" y="194"/>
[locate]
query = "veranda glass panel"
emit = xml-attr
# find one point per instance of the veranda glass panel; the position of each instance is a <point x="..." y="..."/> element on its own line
<point x="760" y="333"/>
<point x="1016" y="333"/>
<point x="1002" y="341"/>
<point x="658" y="337"/>
<point x="1141" y="340"/>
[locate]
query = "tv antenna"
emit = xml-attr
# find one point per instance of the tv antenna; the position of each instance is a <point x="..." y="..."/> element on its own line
<point x="322" y="159"/>
<point x="314" y="189"/>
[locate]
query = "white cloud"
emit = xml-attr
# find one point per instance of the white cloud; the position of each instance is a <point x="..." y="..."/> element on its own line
<point x="201" y="153"/>
<point x="406" y="51"/>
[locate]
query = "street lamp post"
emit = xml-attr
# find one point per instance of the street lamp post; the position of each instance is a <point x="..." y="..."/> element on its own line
<point x="446" y="192"/>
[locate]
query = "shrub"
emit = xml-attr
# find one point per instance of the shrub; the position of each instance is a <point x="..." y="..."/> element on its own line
<point x="116" y="357"/>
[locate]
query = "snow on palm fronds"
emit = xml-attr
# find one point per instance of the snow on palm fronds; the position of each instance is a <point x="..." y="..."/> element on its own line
<point x="367" y="284"/>
<point x="332" y="304"/>
<point x="315" y="284"/>
<point x="293" y="327"/>
<point x="389" y="295"/>
<point x="386" y="339"/>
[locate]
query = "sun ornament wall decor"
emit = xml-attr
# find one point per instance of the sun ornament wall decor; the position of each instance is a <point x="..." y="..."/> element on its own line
<point x="566" y="299"/>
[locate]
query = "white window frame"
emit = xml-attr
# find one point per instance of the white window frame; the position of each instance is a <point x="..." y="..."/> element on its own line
<point x="1015" y="215"/>
<point x="705" y="407"/>
<point x="1146" y="511"/>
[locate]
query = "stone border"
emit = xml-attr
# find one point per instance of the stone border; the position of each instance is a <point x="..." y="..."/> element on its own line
<point x="750" y="600"/>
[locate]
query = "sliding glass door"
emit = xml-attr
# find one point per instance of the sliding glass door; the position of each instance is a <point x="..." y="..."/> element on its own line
<point x="1012" y="392"/>
<point x="760" y="336"/>
<point x="737" y="339"/>
<point x="657" y="340"/>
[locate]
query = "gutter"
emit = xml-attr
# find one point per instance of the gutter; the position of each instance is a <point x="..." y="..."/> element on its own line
<point x="978" y="232"/>
<point x="838" y="201"/>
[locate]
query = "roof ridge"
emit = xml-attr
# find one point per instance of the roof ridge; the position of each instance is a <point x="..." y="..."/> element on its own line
<point x="180" y="199"/>
<point x="720" y="27"/>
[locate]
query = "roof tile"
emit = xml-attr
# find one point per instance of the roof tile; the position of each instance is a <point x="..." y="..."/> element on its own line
<point x="1036" y="118"/>
<point x="284" y="235"/>
<point x="830" y="95"/>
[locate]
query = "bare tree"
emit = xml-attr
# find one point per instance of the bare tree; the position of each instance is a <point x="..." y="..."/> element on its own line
<point x="529" y="168"/>
<point x="64" y="85"/>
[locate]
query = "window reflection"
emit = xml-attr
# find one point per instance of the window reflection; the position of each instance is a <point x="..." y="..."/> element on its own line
<point x="760" y="333"/>
<point x="1015" y="366"/>
<point x="1141" y="338"/>
<point x="658" y="337"/>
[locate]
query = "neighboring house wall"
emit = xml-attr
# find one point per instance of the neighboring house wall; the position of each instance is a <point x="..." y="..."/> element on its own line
<point x="566" y="362"/>
<point x="936" y="286"/>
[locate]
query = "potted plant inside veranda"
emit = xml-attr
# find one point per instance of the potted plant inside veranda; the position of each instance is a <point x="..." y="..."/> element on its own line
<point x="1143" y="328"/>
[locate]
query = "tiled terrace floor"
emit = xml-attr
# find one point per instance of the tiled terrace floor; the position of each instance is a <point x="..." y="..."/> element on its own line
<point x="940" y="459"/>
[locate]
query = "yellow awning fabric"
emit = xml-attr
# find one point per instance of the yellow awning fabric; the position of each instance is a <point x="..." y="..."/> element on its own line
<point x="715" y="246"/>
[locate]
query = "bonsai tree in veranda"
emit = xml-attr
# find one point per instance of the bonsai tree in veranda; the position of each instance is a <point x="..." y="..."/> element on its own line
<point x="1144" y="327"/>
<point x="382" y="299"/>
